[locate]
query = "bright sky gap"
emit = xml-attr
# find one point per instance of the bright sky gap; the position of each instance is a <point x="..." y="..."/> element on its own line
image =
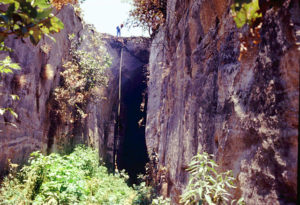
<point x="106" y="15"/>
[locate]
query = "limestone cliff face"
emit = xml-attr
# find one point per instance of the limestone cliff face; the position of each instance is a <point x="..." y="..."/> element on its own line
<point x="204" y="96"/>
<point x="34" y="83"/>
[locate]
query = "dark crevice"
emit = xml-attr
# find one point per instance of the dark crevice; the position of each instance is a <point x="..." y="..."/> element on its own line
<point x="52" y="131"/>
<point x="132" y="154"/>
<point x="54" y="122"/>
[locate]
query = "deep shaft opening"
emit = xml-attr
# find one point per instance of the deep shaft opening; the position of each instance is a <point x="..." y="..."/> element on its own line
<point x="132" y="154"/>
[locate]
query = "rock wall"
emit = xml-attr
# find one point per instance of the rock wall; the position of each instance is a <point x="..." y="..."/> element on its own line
<point x="203" y="95"/>
<point x="34" y="83"/>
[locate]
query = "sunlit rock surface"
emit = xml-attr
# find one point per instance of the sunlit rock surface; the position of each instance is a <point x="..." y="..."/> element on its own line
<point x="204" y="96"/>
<point x="34" y="83"/>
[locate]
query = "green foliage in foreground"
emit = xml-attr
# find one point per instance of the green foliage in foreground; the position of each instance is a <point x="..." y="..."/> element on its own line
<point x="71" y="179"/>
<point x="77" y="178"/>
<point x="147" y="195"/>
<point x="206" y="184"/>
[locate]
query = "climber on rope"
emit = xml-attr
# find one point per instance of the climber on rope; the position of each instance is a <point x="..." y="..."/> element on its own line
<point x="119" y="30"/>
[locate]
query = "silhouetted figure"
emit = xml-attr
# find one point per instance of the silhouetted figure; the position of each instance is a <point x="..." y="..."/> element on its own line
<point x="119" y="30"/>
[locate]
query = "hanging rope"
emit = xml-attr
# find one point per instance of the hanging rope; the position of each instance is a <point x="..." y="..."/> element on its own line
<point x="117" y="135"/>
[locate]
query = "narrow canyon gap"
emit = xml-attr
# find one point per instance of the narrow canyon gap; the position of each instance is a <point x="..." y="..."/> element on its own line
<point x="132" y="154"/>
<point x="131" y="151"/>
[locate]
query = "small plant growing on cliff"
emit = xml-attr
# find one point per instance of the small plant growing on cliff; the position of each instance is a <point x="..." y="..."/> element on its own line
<point x="245" y="13"/>
<point x="90" y="54"/>
<point x="72" y="95"/>
<point x="81" y="75"/>
<point x="206" y="185"/>
<point x="6" y="67"/>
<point x="147" y="194"/>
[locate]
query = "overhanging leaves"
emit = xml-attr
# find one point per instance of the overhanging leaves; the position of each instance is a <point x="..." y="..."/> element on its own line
<point x="28" y="18"/>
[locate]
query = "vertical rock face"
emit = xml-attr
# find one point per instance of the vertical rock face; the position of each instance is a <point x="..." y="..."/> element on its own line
<point x="40" y="74"/>
<point x="204" y="96"/>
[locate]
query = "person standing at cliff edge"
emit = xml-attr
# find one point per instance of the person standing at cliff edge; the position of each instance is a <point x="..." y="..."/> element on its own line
<point x="119" y="30"/>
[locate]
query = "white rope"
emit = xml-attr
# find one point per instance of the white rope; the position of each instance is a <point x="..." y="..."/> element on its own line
<point x="117" y="135"/>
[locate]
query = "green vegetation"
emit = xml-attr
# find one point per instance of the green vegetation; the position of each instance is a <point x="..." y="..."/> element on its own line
<point x="161" y="201"/>
<point x="7" y="66"/>
<point x="90" y="55"/>
<point x="147" y="195"/>
<point x="28" y="18"/>
<point x="81" y="77"/>
<point x="245" y="13"/>
<point x="206" y="184"/>
<point x="77" y="178"/>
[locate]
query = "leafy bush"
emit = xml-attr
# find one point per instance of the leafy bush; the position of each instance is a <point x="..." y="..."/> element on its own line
<point x="77" y="178"/>
<point x="206" y="184"/>
<point x="146" y="195"/>
<point x="71" y="97"/>
<point x="90" y="55"/>
<point x="85" y="72"/>
<point x="161" y="201"/>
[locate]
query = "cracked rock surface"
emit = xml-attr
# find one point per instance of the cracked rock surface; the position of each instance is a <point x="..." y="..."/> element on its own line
<point x="204" y="96"/>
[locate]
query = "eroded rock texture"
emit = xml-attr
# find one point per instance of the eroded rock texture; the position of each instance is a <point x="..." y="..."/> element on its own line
<point x="205" y="96"/>
<point x="34" y="83"/>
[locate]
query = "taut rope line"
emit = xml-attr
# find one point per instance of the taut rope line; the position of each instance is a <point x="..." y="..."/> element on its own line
<point x="117" y="135"/>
